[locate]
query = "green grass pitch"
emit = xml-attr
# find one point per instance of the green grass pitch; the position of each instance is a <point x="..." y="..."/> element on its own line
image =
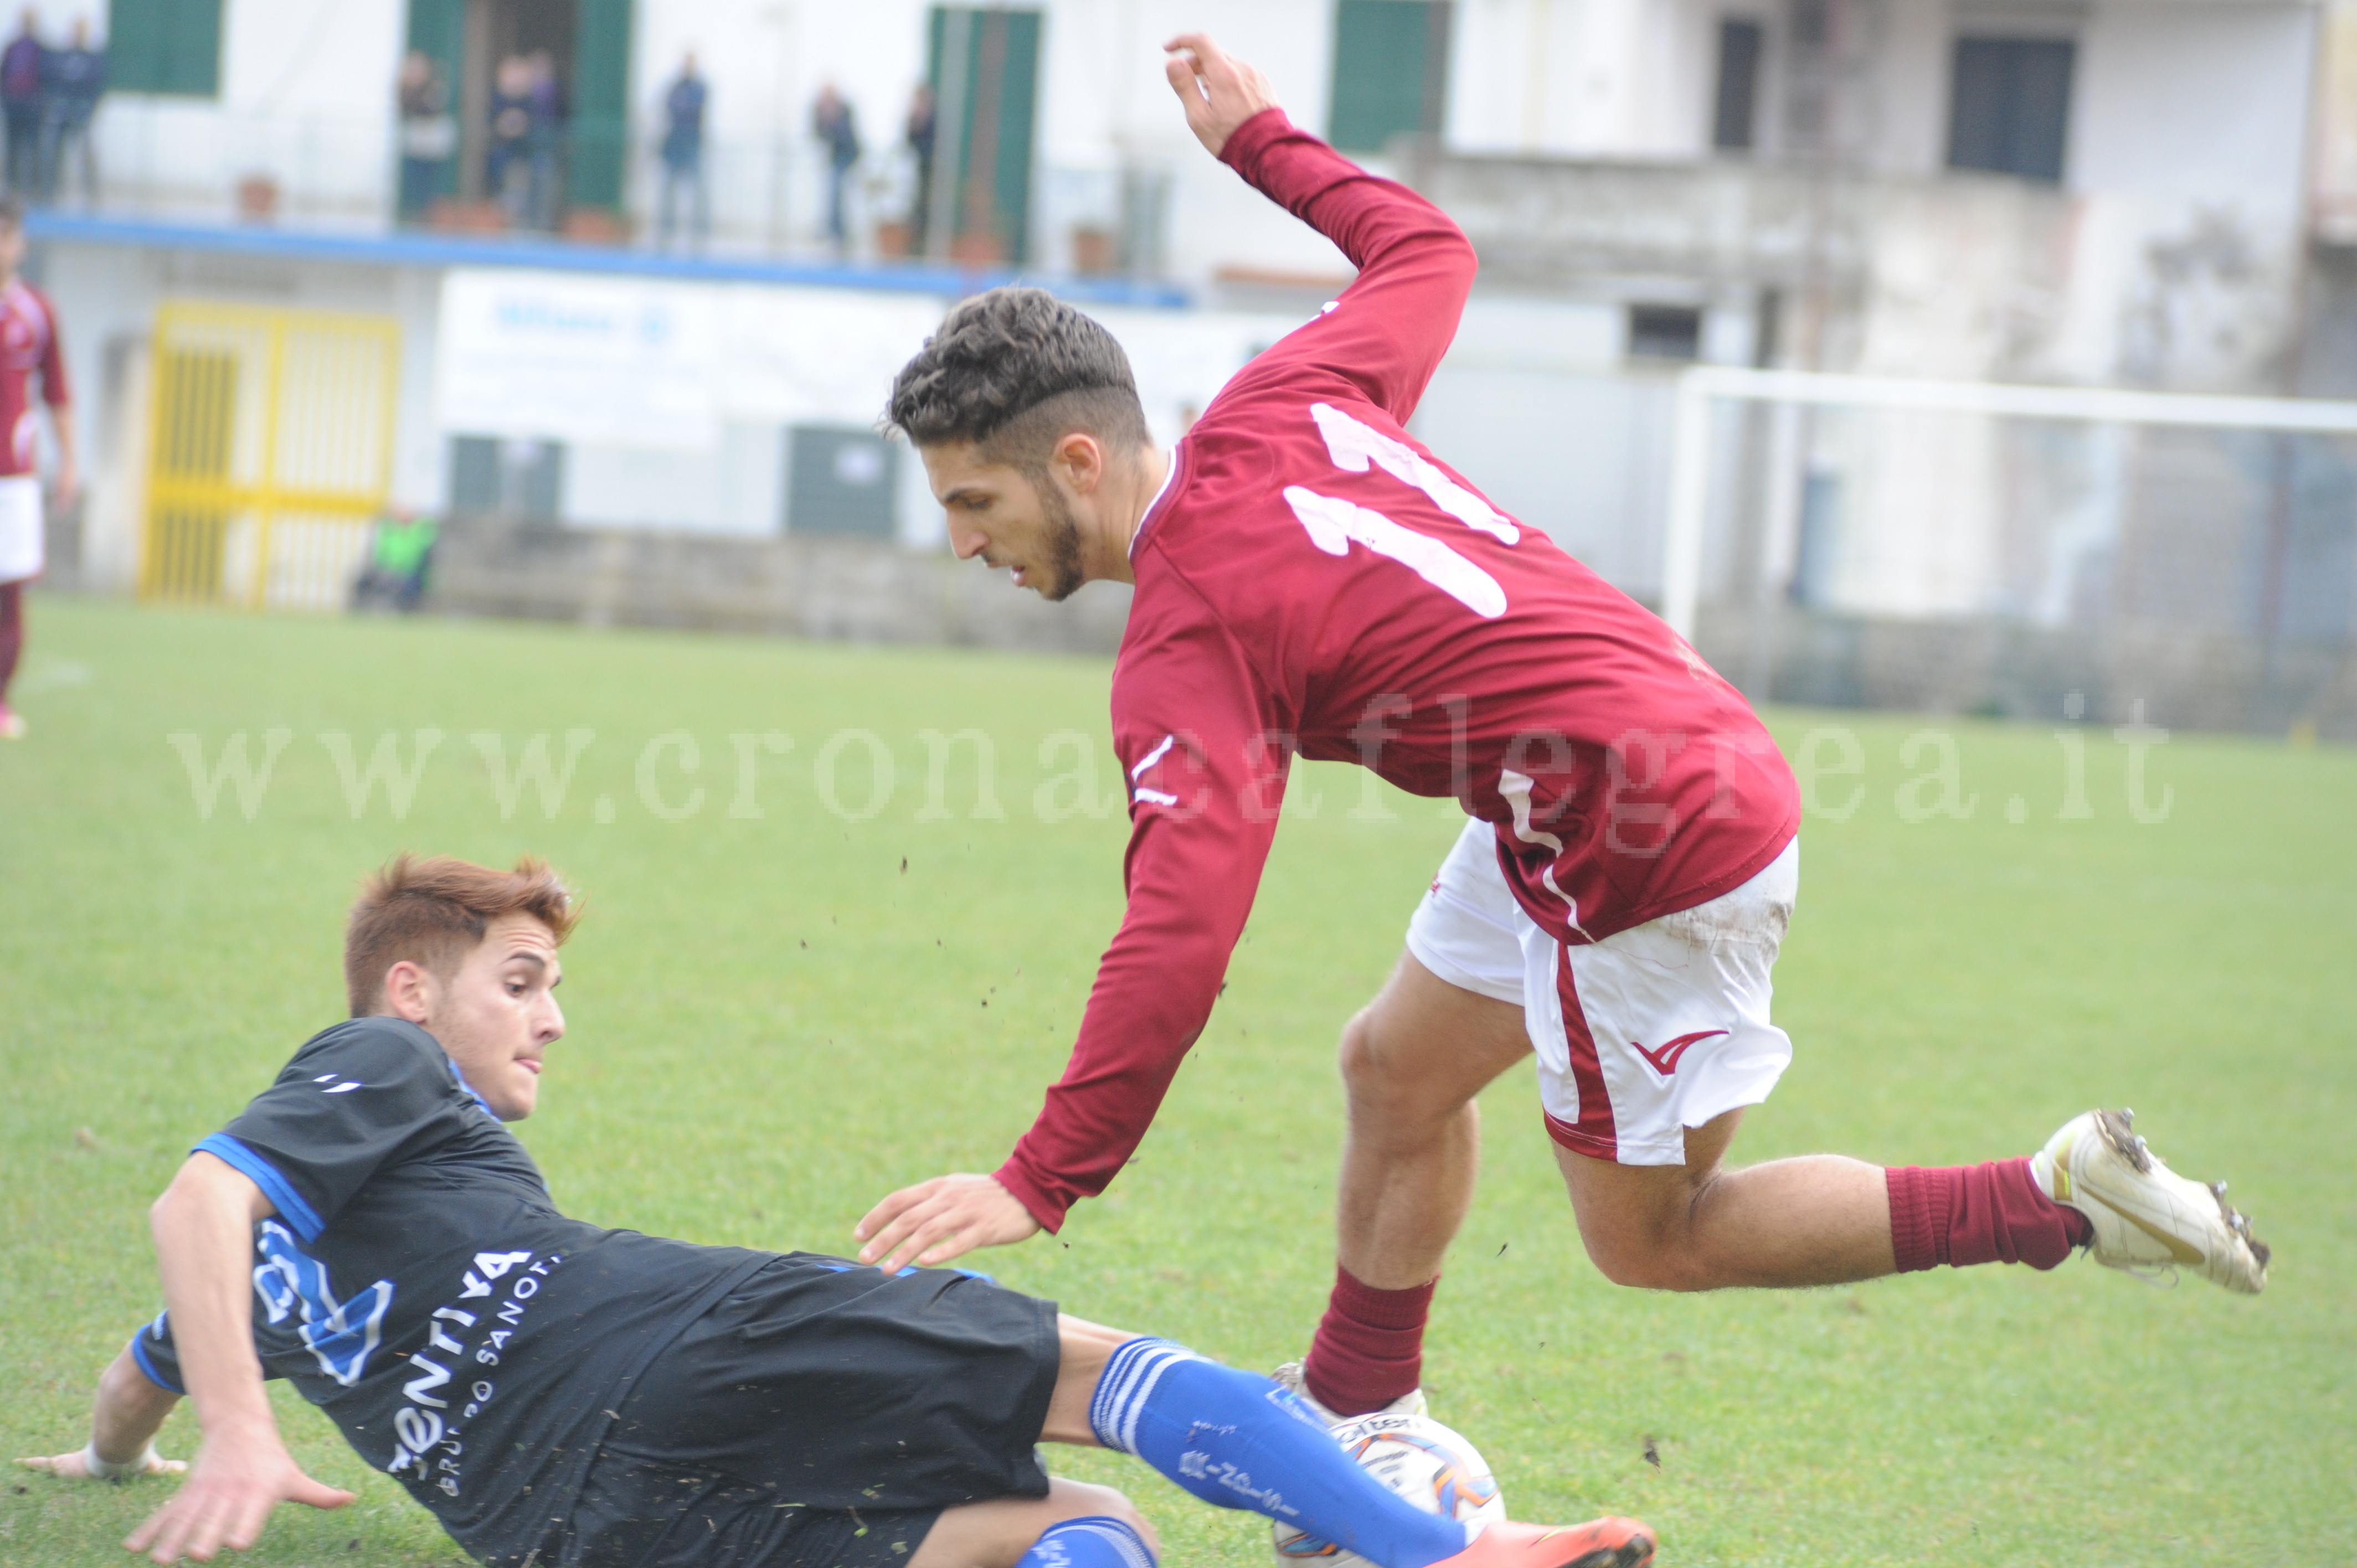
<point x="775" y="1017"/>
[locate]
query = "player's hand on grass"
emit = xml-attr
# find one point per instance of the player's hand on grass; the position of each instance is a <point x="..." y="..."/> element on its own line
<point x="73" y="1467"/>
<point x="227" y="1498"/>
<point x="1220" y="91"/>
<point x="936" y="1221"/>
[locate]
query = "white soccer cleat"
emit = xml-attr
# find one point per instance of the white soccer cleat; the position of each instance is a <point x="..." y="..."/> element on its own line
<point x="2147" y="1219"/>
<point x="1290" y="1377"/>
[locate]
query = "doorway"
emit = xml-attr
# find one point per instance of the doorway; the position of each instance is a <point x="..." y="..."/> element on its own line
<point x="556" y="152"/>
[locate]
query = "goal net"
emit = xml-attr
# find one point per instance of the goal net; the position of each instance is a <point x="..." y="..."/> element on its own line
<point x="2018" y="550"/>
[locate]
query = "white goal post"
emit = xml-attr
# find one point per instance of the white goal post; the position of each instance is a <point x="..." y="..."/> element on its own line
<point x="1704" y="385"/>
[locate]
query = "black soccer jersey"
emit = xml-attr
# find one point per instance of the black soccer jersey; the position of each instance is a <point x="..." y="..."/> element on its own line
<point x="418" y="1285"/>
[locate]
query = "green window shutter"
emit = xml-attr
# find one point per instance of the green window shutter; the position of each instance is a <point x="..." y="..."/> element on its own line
<point x="164" y="45"/>
<point x="993" y="106"/>
<point x="601" y="102"/>
<point x="437" y="29"/>
<point x="1390" y="71"/>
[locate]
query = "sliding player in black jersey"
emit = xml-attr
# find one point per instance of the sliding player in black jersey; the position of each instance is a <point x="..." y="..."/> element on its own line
<point x="567" y="1396"/>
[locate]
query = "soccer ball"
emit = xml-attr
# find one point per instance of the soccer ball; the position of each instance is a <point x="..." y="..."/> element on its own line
<point x="1419" y="1458"/>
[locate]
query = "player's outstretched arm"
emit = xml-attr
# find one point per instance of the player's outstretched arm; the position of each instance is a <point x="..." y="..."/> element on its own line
<point x="122" y="1426"/>
<point x="945" y="1218"/>
<point x="204" y="1246"/>
<point x="1386" y="332"/>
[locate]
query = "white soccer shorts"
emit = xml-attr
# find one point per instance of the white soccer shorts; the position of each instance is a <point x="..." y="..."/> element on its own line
<point x="20" y="528"/>
<point x="1653" y="1030"/>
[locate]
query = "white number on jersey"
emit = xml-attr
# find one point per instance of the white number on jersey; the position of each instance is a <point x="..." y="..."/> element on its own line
<point x="1353" y="444"/>
<point x="1333" y="522"/>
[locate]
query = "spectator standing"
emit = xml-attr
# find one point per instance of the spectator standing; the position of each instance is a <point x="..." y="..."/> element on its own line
<point x="505" y="175"/>
<point x="72" y="78"/>
<point x="682" y="153"/>
<point x="20" y="99"/>
<point x="430" y="133"/>
<point x="833" y="122"/>
<point x="546" y="112"/>
<point x="920" y="135"/>
<point x="28" y="345"/>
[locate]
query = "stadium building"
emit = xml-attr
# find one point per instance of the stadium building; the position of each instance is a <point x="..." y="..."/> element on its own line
<point x="292" y="297"/>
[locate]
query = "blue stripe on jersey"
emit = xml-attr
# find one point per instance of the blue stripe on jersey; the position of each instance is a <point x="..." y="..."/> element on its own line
<point x="275" y="1187"/>
<point x="470" y="1090"/>
<point x="139" y="1354"/>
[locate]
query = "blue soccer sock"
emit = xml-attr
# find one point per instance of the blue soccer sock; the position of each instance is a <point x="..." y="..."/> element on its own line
<point x="1098" y="1541"/>
<point x="1241" y="1441"/>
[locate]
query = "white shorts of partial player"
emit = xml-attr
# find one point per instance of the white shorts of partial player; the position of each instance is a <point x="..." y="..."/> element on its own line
<point x="20" y="528"/>
<point x="1666" y="1024"/>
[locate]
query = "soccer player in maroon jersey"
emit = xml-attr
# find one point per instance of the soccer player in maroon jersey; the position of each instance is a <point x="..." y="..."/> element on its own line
<point x="1311" y="582"/>
<point x="29" y="343"/>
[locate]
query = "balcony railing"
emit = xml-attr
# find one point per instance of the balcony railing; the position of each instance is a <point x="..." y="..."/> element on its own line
<point x="178" y="159"/>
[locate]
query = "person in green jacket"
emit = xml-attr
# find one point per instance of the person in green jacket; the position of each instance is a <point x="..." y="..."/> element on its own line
<point x="399" y="560"/>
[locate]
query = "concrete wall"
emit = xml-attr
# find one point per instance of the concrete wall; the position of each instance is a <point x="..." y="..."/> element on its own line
<point x="2215" y="681"/>
<point x="798" y="588"/>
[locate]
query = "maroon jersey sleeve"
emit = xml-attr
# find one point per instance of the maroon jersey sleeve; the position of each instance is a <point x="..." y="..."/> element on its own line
<point x="53" y="359"/>
<point x="1202" y="747"/>
<point x="1385" y="336"/>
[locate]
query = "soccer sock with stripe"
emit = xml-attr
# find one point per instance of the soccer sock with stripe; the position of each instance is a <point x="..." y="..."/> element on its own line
<point x="1241" y="1441"/>
<point x="1991" y="1213"/>
<point x="1368" y="1347"/>
<point x="1098" y="1541"/>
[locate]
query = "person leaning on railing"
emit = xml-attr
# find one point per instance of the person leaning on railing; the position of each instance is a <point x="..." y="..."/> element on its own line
<point x="429" y="133"/>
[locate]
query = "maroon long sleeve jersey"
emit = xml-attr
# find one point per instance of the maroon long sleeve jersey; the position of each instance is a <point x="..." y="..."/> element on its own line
<point x="1312" y="581"/>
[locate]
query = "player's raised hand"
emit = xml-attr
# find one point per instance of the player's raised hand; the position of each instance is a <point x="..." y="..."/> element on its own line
<point x="73" y="1467"/>
<point x="936" y="1221"/>
<point x="1220" y="91"/>
<point x="227" y="1499"/>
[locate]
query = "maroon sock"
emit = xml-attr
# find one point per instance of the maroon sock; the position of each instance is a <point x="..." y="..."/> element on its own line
<point x="1369" y="1349"/>
<point x="1978" y="1214"/>
<point x="12" y="632"/>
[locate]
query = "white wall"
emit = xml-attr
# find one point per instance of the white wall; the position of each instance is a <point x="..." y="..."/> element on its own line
<point x="1585" y="78"/>
<point x="1105" y="103"/>
<point x="2189" y="147"/>
<point x="764" y="62"/>
<point x="1905" y="121"/>
<point x="2194" y="102"/>
<point x="306" y="97"/>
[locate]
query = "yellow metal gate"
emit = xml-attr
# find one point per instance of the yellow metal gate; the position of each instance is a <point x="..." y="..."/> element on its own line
<point x="270" y="452"/>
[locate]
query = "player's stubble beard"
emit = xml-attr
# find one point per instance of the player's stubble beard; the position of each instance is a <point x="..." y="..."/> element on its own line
<point x="1061" y="540"/>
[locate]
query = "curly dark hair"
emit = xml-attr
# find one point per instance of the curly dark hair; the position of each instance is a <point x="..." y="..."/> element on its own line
<point x="1015" y="370"/>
